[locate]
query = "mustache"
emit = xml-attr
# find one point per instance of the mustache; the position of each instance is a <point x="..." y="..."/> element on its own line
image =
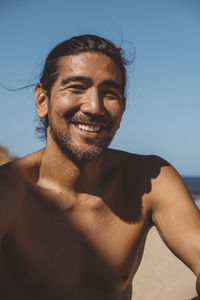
<point x="83" y="118"/>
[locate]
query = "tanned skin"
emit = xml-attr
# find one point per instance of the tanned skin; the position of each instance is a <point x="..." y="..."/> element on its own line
<point x="76" y="229"/>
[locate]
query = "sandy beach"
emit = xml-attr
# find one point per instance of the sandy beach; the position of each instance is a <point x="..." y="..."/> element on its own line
<point x="161" y="276"/>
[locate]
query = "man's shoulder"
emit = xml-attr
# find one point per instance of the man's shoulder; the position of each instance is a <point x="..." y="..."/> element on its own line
<point x="16" y="170"/>
<point x="8" y="175"/>
<point x="149" y="175"/>
<point x="11" y="184"/>
<point x="13" y="180"/>
<point x="143" y="163"/>
<point x="14" y="175"/>
<point x="9" y="196"/>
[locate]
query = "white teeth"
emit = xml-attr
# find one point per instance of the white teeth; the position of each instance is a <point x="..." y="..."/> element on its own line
<point x="87" y="127"/>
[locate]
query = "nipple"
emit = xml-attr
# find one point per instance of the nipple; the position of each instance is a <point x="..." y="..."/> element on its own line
<point x="125" y="277"/>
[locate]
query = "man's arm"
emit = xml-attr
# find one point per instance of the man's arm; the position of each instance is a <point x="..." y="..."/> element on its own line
<point x="177" y="218"/>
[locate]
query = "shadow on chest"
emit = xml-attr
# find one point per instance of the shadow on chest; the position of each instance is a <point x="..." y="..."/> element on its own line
<point x="60" y="249"/>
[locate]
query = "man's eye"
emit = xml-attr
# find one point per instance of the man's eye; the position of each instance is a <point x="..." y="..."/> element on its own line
<point x="112" y="93"/>
<point x="77" y="87"/>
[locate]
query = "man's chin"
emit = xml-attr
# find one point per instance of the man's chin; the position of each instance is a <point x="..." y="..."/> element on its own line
<point x="87" y="150"/>
<point x="77" y="155"/>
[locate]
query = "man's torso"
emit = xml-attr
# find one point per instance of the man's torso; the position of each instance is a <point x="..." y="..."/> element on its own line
<point x="75" y="245"/>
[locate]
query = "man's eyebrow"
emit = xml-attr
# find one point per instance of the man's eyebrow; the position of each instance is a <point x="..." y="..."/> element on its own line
<point x="87" y="80"/>
<point x="113" y="84"/>
<point x="83" y="79"/>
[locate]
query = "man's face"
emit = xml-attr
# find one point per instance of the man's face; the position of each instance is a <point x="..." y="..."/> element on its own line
<point x="86" y="105"/>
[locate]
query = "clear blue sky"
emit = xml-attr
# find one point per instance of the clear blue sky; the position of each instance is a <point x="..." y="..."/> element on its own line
<point x="163" y="108"/>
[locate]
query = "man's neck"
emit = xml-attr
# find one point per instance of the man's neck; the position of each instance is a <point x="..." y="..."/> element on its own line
<point x="59" y="172"/>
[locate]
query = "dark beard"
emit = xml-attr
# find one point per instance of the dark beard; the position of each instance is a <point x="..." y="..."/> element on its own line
<point x="66" y="145"/>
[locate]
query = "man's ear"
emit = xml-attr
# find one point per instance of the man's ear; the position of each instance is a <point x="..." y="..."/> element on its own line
<point x="41" y="101"/>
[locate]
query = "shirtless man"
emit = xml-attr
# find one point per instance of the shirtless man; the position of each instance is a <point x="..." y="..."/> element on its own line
<point x="74" y="216"/>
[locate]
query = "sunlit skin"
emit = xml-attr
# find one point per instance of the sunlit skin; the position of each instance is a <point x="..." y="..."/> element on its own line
<point x="73" y="222"/>
<point x="89" y="96"/>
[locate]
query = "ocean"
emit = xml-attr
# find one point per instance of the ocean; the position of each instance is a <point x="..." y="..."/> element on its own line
<point x="193" y="184"/>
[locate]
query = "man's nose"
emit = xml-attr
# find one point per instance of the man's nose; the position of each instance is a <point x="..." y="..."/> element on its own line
<point x="93" y="103"/>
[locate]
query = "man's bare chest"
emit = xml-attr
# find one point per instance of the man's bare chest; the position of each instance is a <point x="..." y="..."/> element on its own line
<point x="75" y="244"/>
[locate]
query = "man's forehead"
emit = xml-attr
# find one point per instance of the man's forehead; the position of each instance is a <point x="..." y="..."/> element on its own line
<point x="87" y="61"/>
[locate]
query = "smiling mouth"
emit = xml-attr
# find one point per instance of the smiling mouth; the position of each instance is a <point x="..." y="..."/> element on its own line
<point x="88" y="127"/>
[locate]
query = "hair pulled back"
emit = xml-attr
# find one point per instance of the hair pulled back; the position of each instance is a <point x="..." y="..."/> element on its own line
<point x="74" y="46"/>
